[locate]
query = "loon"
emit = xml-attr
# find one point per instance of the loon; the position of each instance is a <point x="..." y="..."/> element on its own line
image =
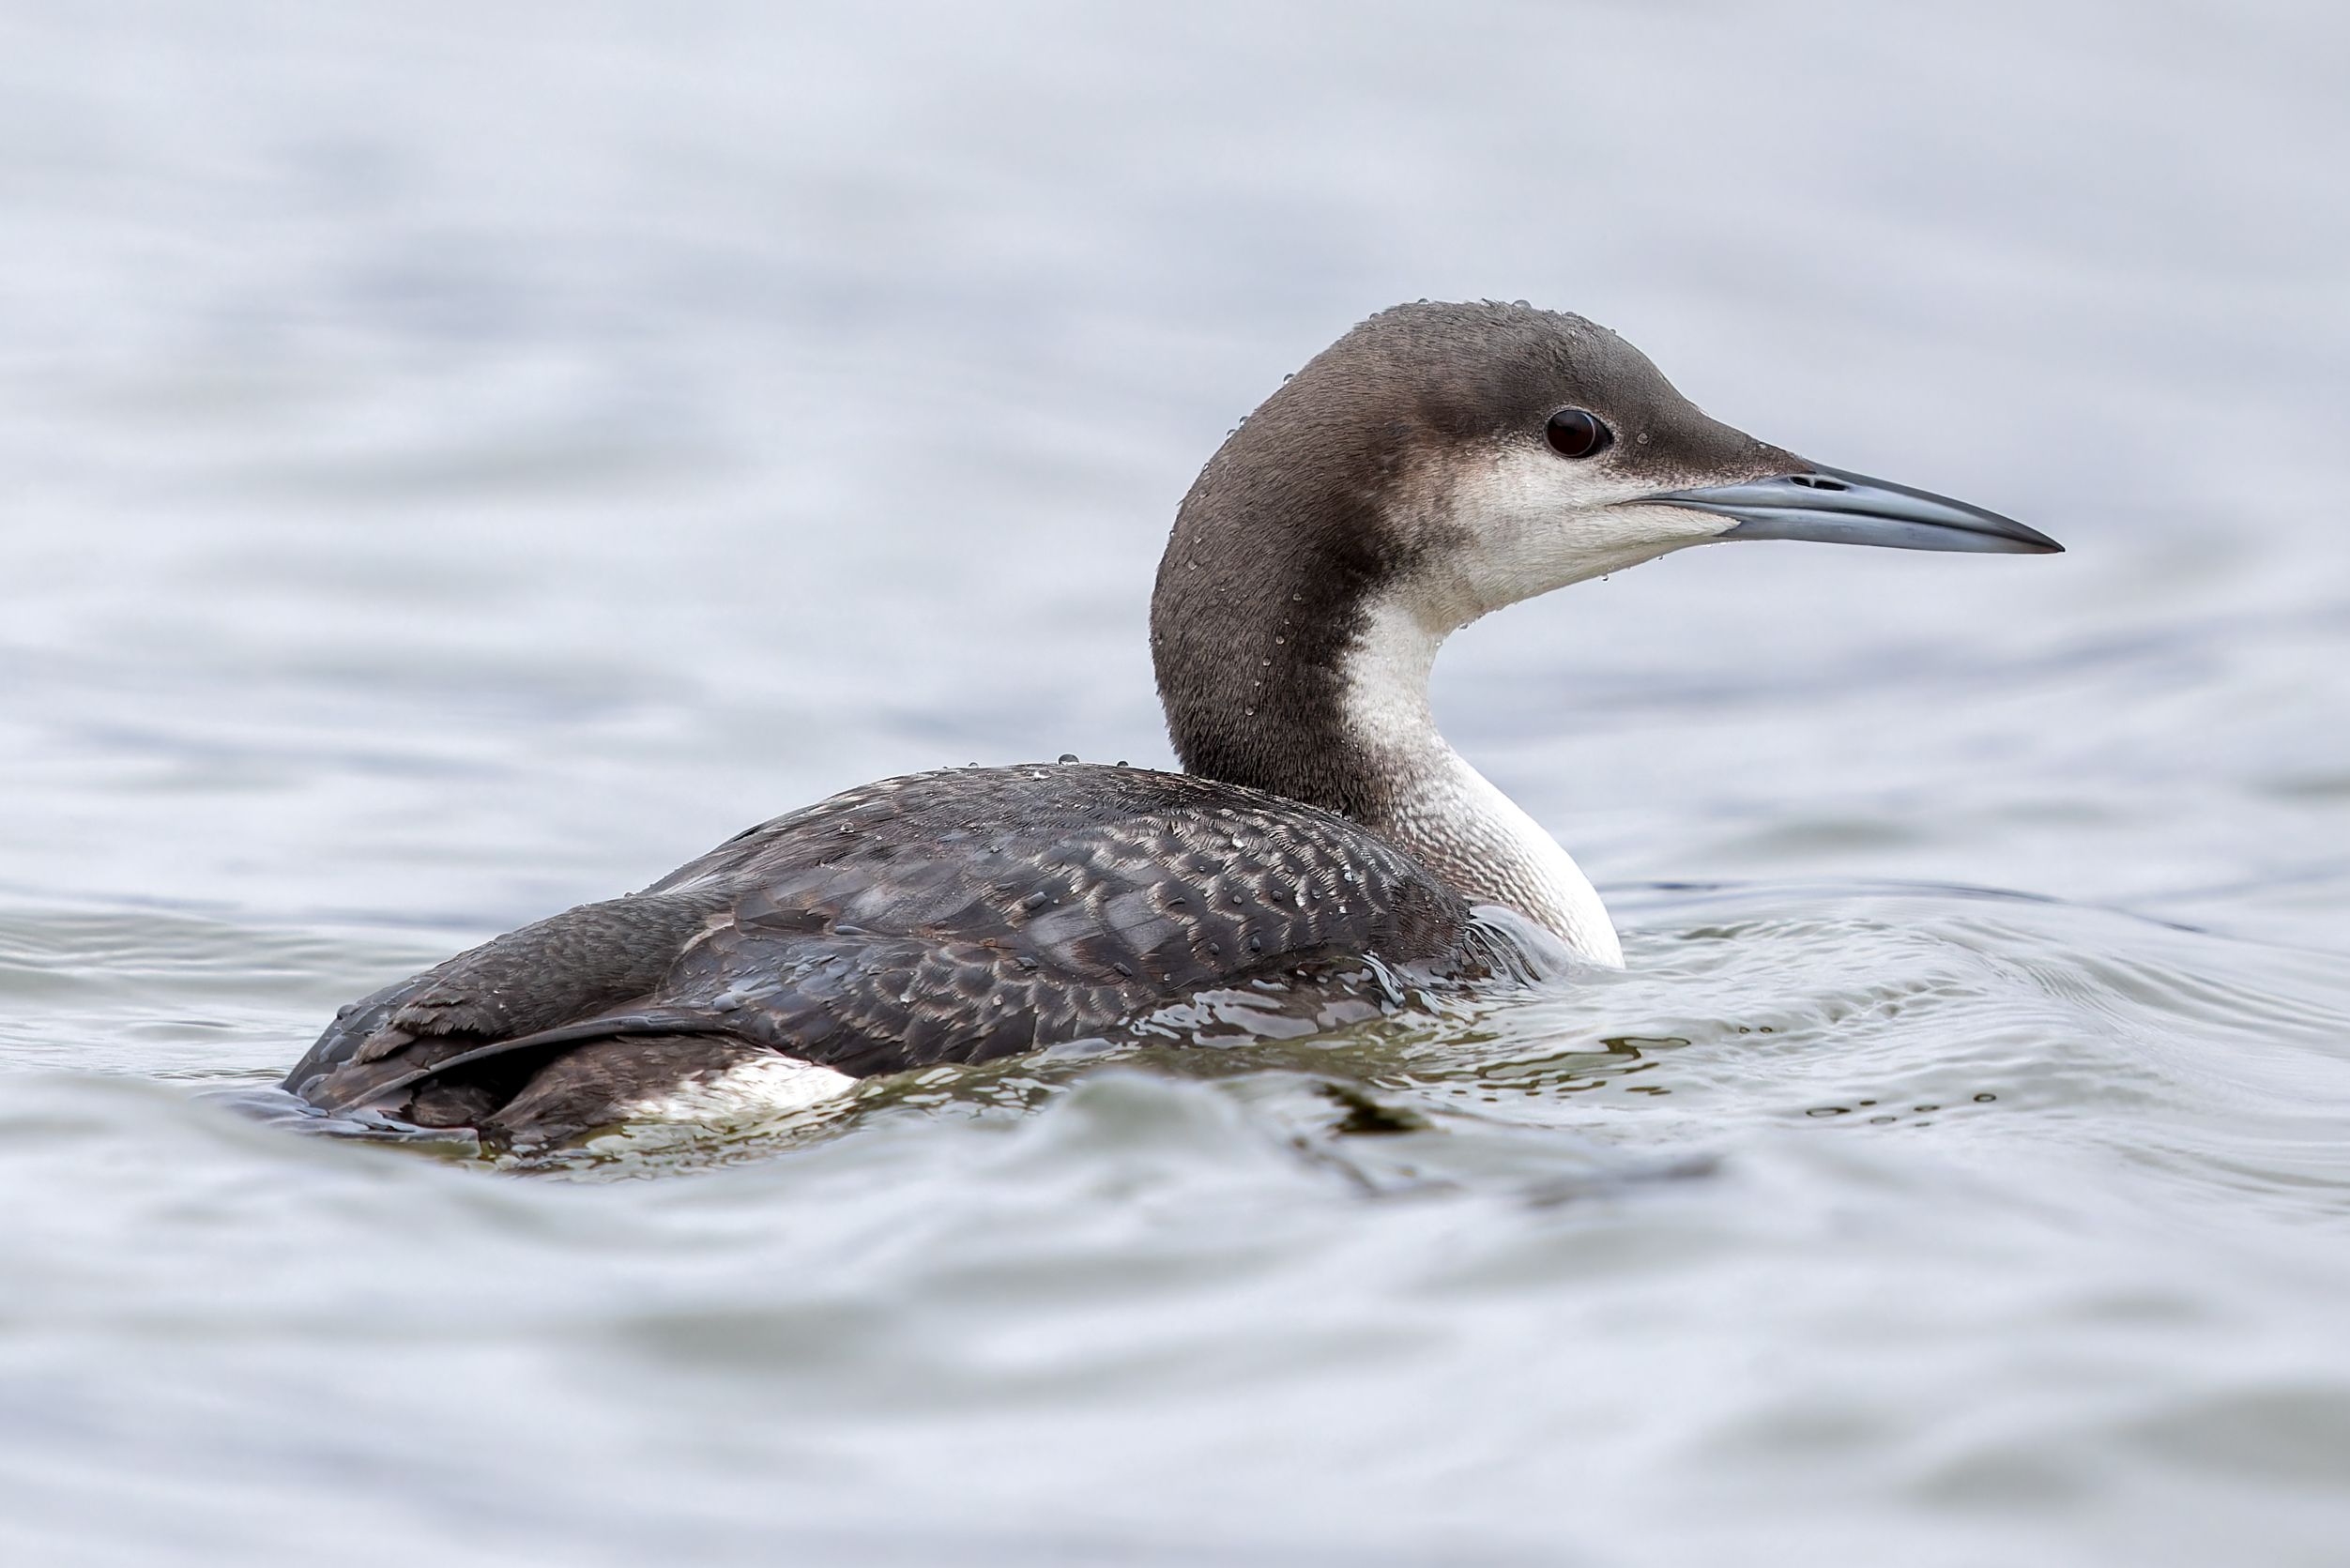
<point x="1437" y="462"/>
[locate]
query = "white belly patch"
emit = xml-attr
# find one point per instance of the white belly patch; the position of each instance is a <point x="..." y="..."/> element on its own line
<point x="765" y="1085"/>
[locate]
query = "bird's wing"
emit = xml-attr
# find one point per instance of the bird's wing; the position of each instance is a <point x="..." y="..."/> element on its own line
<point x="951" y="916"/>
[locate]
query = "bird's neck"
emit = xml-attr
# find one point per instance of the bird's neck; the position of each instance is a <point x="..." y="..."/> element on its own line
<point x="1443" y="810"/>
<point x="1293" y="660"/>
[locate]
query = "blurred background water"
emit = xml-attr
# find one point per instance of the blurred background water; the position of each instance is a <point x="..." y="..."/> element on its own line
<point x="459" y="461"/>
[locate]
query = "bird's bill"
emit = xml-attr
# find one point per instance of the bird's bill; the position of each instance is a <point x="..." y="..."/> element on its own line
<point x="1834" y="506"/>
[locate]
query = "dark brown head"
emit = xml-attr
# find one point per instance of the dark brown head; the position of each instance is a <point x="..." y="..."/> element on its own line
<point x="1437" y="462"/>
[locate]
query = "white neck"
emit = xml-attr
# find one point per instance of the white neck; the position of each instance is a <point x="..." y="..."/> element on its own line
<point x="1444" y="810"/>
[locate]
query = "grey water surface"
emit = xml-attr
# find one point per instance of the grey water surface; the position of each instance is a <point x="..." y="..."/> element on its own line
<point x="459" y="461"/>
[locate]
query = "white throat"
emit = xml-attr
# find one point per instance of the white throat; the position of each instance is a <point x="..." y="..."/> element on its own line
<point x="1446" y="811"/>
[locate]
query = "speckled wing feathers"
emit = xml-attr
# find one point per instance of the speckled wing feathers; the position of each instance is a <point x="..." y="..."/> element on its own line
<point x="954" y="916"/>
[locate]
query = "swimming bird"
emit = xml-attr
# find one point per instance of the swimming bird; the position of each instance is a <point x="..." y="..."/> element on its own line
<point x="1437" y="462"/>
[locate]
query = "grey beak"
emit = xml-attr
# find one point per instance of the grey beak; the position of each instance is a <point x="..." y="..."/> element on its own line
<point x="1837" y="507"/>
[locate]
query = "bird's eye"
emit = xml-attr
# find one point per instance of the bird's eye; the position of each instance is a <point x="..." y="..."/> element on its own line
<point x="1577" y="432"/>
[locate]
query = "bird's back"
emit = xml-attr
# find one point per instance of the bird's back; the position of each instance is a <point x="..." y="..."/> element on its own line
<point x="945" y="917"/>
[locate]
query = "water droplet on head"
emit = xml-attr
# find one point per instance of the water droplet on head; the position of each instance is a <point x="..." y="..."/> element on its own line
<point x="1068" y="756"/>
